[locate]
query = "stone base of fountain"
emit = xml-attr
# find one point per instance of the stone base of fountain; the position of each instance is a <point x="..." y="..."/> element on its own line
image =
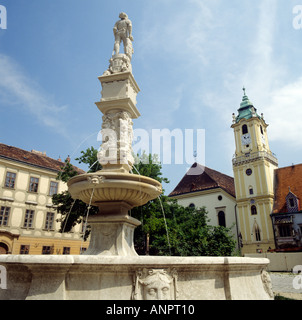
<point x="112" y="234"/>
<point x="135" y="278"/>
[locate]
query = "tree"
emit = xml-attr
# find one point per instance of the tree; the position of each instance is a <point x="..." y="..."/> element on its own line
<point x="74" y="211"/>
<point x="167" y="228"/>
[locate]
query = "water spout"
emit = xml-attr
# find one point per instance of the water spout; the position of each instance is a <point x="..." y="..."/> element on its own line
<point x="86" y="219"/>
<point x="162" y="208"/>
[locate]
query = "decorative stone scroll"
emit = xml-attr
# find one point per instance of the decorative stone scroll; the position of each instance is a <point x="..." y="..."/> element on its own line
<point x="155" y="284"/>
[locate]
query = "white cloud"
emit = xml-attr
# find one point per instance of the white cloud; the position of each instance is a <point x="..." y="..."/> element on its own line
<point x="18" y="89"/>
<point x="284" y="114"/>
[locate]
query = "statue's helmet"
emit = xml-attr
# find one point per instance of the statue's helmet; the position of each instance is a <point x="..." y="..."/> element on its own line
<point x="123" y="15"/>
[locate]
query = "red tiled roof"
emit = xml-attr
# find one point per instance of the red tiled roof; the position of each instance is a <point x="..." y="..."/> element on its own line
<point x="200" y="178"/>
<point x="32" y="158"/>
<point x="284" y="178"/>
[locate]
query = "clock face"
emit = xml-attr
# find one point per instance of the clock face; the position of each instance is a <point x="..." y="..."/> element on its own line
<point x="246" y="139"/>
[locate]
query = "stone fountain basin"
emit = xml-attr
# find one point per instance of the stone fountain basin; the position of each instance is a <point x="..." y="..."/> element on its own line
<point x="102" y="186"/>
<point x="113" y="278"/>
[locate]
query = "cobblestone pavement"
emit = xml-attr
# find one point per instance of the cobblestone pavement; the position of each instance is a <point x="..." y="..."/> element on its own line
<point x="282" y="283"/>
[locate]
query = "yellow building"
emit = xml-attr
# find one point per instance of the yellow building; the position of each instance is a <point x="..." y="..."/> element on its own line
<point x="253" y="166"/>
<point x="29" y="223"/>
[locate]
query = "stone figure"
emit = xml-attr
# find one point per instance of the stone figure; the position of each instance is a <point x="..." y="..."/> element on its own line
<point x="121" y="62"/>
<point x="155" y="284"/>
<point x="123" y="32"/>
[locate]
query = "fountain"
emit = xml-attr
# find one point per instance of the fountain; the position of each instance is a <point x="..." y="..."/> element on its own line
<point x="110" y="268"/>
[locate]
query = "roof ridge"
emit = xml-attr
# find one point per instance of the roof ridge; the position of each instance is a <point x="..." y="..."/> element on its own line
<point x="33" y="158"/>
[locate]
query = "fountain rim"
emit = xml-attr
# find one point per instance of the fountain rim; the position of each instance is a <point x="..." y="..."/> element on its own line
<point x="111" y="175"/>
<point x="144" y="261"/>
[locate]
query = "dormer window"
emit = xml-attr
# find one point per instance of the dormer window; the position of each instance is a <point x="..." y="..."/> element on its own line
<point x="292" y="202"/>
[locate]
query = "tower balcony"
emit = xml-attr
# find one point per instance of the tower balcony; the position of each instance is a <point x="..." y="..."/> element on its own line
<point x="254" y="156"/>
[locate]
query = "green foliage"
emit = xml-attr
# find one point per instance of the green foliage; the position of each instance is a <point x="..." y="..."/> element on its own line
<point x="72" y="211"/>
<point x="67" y="172"/>
<point x="89" y="157"/>
<point x="188" y="230"/>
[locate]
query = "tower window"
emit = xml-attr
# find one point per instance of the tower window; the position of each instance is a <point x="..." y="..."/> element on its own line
<point x="251" y="190"/>
<point x="253" y="210"/>
<point x="244" y="129"/>
<point x="249" y="171"/>
<point x="257" y="234"/>
<point x="261" y="129"/>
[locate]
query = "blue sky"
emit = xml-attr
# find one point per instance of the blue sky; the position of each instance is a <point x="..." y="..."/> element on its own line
<point x="191" y="61"/>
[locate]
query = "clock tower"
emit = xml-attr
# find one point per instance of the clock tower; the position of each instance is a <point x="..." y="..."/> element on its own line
<point x="253" y="166"/>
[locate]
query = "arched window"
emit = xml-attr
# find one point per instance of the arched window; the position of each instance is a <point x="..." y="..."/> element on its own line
<point x="253" y="210"/>
<point x="244" y="129"/>
<point x="3" y="248"/>
<point x="221" y="219"/>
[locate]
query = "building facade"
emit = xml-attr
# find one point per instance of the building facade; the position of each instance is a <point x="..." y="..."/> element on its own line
<point x="287" y="211"/>
<point x="29" y="223"/>
<point x="253" y="167"/>
<point x="205" y="187"/>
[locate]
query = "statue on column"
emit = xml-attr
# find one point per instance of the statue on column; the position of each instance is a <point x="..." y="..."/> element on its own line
<point x="121" y="62"/>
<point x="123" y="32"/>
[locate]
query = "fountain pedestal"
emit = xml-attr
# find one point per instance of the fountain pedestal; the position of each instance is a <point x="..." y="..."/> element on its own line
<point x="112" y="231"/>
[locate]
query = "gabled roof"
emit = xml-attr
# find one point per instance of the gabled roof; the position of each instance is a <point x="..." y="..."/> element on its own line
<point x="200" y="178"/>
<point x="32" y="158"/>
<point x="285" y="178"/>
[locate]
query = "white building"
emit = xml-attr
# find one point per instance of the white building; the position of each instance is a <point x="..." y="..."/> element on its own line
<point x="205" y="187"/>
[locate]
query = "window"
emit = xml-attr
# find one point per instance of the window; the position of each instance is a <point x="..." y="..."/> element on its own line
<point x="29" y="218"/>
<point x="24" y="249"/>
<point x="82" y="250"/>
<point x="10" y="180"/>
<point x="53" y="188"/>
<point x="261" y="129"/>
<point x="46" y="250"/>
<point x="219" y="197"/>
<point x="257" y="233"/>
<point x="244" y="129"/>
<point x="251" y="190"/>
<point x="49" y="220"/>
<point x="284" y="231"/>
<point x="248" y="172"/>
<point x="33" y="185"/>
<point x="66" y="250"/>
<point x="191" y="205"/>
<point x="253" y="210"/>
<point x="291" y="202"/>
<point x="221" y="219"/>
<point x="4" y="215"/>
